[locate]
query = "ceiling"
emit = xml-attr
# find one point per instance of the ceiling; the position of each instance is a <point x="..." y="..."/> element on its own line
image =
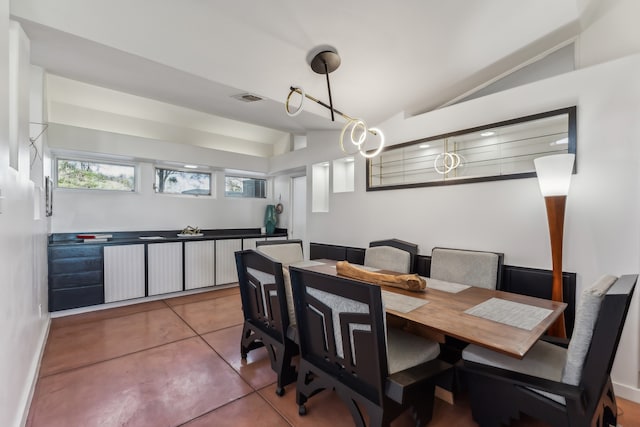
<point x="397" y="57"/>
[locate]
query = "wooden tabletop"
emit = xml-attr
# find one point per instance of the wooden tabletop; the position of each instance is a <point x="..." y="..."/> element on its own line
<point x="445" y="313"/>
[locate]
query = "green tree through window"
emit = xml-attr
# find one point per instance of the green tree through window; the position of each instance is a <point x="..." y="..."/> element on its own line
<point x="84" y="174"/>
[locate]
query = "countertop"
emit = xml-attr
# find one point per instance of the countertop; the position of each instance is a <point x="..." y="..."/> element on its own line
<point x="136" y="237"/>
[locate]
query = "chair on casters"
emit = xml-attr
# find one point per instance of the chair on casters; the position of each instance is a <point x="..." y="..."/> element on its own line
<point x="563" y="387"/>
<point x="344" y="345"/>
<point x="266" y="317"/>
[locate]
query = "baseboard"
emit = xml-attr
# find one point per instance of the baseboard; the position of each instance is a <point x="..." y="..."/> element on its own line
<point x="35" y="370"/>
<point x="627" y="392"/>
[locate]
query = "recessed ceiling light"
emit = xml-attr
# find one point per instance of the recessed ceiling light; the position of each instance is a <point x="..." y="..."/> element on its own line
<point x="349" y="159"/>
<point x="191" y="166"/>
<point x="424" y="146"/>
<point x="487" y="133"/>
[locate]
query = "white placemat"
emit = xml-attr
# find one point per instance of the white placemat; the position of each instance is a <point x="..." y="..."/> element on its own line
<point x="401" y="303"/>
<point x="362" y="267"/>
<point x="309" y="263"/>
<point x="441" y="285"/>
<point x="510" y="313"/>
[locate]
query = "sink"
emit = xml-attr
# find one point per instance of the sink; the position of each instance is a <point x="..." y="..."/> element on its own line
<point x="150" y="237"/>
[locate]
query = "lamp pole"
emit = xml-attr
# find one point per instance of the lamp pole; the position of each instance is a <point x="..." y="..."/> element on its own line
<point x="555" y="216"/>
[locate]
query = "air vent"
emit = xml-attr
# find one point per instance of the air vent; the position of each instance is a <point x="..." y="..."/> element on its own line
<point x="247" y="97"/>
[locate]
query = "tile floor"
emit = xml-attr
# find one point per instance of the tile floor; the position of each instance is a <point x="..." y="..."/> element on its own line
<point x="176" y="362"/>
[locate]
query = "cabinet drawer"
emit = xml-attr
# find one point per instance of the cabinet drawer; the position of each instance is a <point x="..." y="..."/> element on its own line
<point x="74" y="265"/>
<point x="76" y="251"/>
<point x="63" y="299"/>
<point x="74" y="280"/>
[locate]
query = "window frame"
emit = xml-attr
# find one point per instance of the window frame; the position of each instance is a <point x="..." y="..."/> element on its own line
<point x="99" y="160"/>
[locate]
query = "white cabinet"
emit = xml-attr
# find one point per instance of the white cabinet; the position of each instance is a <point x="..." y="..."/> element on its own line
<point x="164" y="267"/>
<point x="226" y="271"/>
<point x="199" y="264"/>
<point x="124" y="276"/>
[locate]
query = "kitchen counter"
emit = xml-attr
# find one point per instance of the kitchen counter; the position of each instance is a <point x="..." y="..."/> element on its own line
<point x="133" y="265"/>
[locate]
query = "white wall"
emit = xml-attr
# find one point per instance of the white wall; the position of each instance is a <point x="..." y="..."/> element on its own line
<point x="84" y="211"/>
<point x="22" y="241"/>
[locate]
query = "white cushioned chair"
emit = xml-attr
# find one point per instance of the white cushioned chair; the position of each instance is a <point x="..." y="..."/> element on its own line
<point x="345" y="345"/>
<point x="563" y="387"/>
<point x="467" y="267"/>
<point x="391" y="254"/>
<point x="286" y="252"/>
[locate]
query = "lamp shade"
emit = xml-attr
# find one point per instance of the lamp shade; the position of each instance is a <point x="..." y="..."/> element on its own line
<point x="554" y="173"/>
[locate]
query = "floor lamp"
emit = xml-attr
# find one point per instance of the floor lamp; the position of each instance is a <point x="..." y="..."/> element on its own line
<point x="554" y="176"/>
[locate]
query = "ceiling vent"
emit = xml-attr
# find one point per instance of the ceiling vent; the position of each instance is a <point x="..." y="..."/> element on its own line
<point x="247" y="97"/>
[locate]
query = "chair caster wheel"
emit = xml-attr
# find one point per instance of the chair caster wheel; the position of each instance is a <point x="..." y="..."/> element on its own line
<point x="302" y="410"/>
<point x="280" y="391"/>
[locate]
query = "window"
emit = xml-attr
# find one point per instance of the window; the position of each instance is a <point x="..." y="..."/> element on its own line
<point x="173" y="181"/>
<point x="235" y="186"/>
<point x="95" y="175"/>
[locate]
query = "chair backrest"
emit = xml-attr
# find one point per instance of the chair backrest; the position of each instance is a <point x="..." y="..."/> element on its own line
<point x="600" y="319"/>
<point x="262" y="292"/>
<point x="473" y="268"/>
<point x="341" y="330"/>
<point x="285" y="251"/>
<point x="391" y="254"/>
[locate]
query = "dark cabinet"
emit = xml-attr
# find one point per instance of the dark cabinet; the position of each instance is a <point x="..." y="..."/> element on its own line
<point x="75" y="276"/>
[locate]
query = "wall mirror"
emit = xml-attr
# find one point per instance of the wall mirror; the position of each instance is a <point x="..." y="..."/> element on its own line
<point x="497" y="151"/>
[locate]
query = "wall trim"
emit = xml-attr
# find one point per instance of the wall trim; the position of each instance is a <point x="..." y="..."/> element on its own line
<point x="34" y="370"/>
<point x="626" y="392"/>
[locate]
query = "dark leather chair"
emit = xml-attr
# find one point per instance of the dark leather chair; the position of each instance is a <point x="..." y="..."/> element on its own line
<point x="266" y="319"/>
<point x="343" y="346"/>
<point x="563" y="387"/>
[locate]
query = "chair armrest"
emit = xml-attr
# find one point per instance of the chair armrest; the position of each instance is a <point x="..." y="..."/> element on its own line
<point x="400" y="384"/>
<point x="569" y="392"/>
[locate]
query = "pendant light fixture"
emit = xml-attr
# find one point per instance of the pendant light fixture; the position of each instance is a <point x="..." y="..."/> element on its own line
<point x="325" y="60"/>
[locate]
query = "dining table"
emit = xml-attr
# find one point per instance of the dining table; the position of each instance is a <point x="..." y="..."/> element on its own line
<point x="505" y="322"/>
